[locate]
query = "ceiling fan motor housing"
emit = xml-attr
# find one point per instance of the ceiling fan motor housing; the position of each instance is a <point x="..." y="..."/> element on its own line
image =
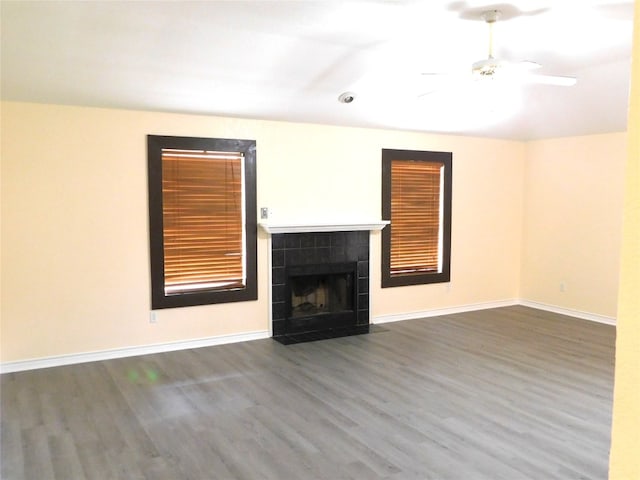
<point x="491" y="16"/>
<point x="486" y="68"/>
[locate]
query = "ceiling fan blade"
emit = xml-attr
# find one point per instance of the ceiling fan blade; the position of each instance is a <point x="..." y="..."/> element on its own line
<point x="525" y="65"/>
<point x="557" y="80"/>
<point x="616" y="11"/>
<point x="442" y="82"/>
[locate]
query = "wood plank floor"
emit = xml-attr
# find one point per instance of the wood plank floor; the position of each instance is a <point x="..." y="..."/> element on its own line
<point x="509" y="393"/>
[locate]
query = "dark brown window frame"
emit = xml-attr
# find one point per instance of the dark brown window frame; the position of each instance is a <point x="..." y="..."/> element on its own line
<point x="155" y="145"/>
<point x="389" y="280"/>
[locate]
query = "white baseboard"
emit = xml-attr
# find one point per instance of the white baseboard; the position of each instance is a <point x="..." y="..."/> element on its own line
<point x="46" y="362"/>
<point x="594" y="317"/>
<point x="443" y="311"/>
<point x="57" y="361"/>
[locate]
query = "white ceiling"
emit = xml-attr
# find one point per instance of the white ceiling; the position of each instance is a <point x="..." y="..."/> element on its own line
<point x="290" y="60"/>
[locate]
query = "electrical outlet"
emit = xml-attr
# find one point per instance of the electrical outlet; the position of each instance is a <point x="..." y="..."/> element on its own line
<point x="563" y="287"/>
<point x="153" y="318"/>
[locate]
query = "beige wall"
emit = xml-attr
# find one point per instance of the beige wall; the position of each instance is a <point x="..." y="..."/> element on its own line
<point x="625" y="435"/>
<point x="75" y="268"/>
<point x="573" y="222"/>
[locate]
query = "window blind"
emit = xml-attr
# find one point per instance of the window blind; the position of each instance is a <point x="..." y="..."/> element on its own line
<point x="416" y="222"/>
<point x="202" y="212"/>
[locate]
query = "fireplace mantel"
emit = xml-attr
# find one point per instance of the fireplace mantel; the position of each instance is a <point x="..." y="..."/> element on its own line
<point x="308" y="227"/>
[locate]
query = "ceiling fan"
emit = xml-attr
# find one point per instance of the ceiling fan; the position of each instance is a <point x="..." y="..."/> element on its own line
<point x="492" y="68"/>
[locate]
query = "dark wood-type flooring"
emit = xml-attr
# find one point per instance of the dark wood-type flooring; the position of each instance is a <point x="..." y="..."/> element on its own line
<point x="509" y="393"/>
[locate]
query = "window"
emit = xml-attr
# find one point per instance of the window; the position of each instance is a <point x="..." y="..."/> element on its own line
<point x="416" y="198"/>
<point x="202" y="220"/>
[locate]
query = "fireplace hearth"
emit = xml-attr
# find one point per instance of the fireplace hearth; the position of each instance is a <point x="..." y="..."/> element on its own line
<point x="320" y="285"/>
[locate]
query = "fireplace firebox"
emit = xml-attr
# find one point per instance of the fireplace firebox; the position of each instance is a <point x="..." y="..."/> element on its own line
<point x="320" y="297"/>
<point x="320" y="285"/>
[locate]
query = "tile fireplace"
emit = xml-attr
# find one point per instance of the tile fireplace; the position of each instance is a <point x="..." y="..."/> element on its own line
<point x="320" y="284"/>
<point x="319" y="279"/>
